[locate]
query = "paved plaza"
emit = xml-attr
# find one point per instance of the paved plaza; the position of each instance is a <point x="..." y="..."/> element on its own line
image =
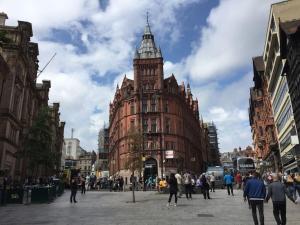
<point x="111" y="208"/>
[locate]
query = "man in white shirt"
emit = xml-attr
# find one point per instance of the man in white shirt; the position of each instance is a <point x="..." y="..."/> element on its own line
<point x="179" y="183"/>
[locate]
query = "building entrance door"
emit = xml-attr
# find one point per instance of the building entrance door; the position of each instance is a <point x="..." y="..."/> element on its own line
<point x="150" y="173"/>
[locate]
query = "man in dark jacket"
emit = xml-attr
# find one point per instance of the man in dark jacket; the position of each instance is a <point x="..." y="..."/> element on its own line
<point x="205" y="186"/>
<point x="173" y="189"/>
<point x="277" y="192"/>
<point x="73" y="191"/>
<point x="255" y="191"/>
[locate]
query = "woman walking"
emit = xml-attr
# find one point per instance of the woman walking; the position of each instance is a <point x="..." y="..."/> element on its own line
<point x="205" y="186"/>
<point x="173" y="189"/>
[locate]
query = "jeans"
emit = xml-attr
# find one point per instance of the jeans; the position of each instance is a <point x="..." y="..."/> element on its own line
<point x="73" y="196"/>
<point x="259" y="204"/>
<point x="291" y="189"/>
<point x="212" y="187"/>
<point x="297" y="189"/>
<point x="180" y="189"/>
<point x="279" y="208"/>
<point x="170" y="197"/>
<point x="229" y="187"/>
<point x="205" y="192"/>
<point x="188" y="191"/>
<point x="82" y="189"/>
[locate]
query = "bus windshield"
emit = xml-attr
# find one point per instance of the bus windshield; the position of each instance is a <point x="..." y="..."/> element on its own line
<point x="245" y="164"/>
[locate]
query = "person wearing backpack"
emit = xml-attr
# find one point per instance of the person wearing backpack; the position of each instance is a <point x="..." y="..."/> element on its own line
<point x="277" y="191"/>
<point x="188" y="185"/>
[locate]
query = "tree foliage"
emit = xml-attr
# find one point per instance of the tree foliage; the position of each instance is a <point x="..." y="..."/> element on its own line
<point x="38" y="142"/>
<point x="134" y="161"/>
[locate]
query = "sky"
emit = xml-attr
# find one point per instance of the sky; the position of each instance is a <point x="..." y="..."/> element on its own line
<point x="208" y="43"/>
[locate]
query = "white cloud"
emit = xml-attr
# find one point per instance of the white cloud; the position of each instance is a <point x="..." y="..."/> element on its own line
<point x="103" y="42"/>
<point x="234" y="33"/>
<point x="97" y="42"/>
<point x="227" y="106"/>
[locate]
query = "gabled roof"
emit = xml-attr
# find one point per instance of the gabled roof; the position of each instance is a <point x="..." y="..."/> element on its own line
<point x="126" y="82"/>
<point x="171" y="79"/>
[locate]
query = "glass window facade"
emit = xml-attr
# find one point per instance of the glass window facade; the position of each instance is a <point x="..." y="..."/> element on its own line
<point x="282" y="90"/>
<point x="284" y="117"/>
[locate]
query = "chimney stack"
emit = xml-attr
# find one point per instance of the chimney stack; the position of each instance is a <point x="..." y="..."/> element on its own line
<point x="3" y="17"/>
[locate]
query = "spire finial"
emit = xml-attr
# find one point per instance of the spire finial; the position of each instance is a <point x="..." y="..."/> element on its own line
<point x="147" y="17"/>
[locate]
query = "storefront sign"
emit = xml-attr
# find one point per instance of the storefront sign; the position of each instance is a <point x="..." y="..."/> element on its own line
<point x="169" y="154"/>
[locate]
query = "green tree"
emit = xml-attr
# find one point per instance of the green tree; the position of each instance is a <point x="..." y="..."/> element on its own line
<point x="38" y="143"/>
<point x="134" y="161"/>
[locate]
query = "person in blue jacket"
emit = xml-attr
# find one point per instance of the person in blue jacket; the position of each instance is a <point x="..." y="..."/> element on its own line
<point x="228" y="180"/>
<point x="255" y="191"/>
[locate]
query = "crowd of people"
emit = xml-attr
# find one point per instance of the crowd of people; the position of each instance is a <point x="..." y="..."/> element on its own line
<point x="257" y="189"/>
<point x="276" y="186"/>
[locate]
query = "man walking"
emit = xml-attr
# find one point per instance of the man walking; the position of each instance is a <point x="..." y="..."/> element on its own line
<point x="73" y="191"/>
<point x="83" y="185"/>
<point x="188" y="185"/>
<point x="205" y="186"/>
<point x="255" y="191"/>
<point x="179" y="183"/>
<point x="228" y="179"/>
<point x="277" y="192"/>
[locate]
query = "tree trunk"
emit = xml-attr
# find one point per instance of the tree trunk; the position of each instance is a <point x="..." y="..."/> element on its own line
<point x="133" y="188"/>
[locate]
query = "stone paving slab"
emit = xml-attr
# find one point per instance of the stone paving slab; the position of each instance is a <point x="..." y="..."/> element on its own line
<point x="114" y="208"/>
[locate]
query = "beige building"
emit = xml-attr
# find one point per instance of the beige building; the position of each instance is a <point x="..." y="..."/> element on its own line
<point x="85" y="162"/>
<point x="277" y="83"/>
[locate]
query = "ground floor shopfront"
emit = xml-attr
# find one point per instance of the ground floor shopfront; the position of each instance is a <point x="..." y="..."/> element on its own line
<point x="291" y="160"/>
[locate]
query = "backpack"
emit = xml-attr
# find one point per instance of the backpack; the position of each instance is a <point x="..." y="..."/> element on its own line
<point x="187" y="179"/>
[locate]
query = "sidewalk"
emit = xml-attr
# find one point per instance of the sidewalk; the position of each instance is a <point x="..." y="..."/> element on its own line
<point x="111" y="208"/>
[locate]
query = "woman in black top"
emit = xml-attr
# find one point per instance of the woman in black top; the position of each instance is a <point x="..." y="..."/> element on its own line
<point x="205" y="186"/>
<point x="173" y="188"/>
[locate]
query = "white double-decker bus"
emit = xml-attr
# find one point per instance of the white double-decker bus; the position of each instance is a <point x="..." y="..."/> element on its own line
<point x="245" y="165"/>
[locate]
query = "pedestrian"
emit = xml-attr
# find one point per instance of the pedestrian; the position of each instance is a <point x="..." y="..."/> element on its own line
<point x="73" y="191"/>
<point x="244" y="180"/>
<point x="228" y="180"/>
<point x="255" y="191"/>
<point x="277" y="191"/>
<point x="111" y="182"/>
<point x="290" y="184"/>
<point x="238" y="179"/>
<point x="205" y="186"/>
<point x="121" y="184"/>
<point x="179" y="183"/>
<point x="83" y="186"/>
<point x="297" y="185"/>
<point x="212" y="182"/>
<point x="173" y="187"/>
<point x="188" y="185"/>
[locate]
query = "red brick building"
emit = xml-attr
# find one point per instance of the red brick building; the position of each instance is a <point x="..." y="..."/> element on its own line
<point x="261" y="118"/>
<point x="21" y="97"/>
<point x="165" y="111"/>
